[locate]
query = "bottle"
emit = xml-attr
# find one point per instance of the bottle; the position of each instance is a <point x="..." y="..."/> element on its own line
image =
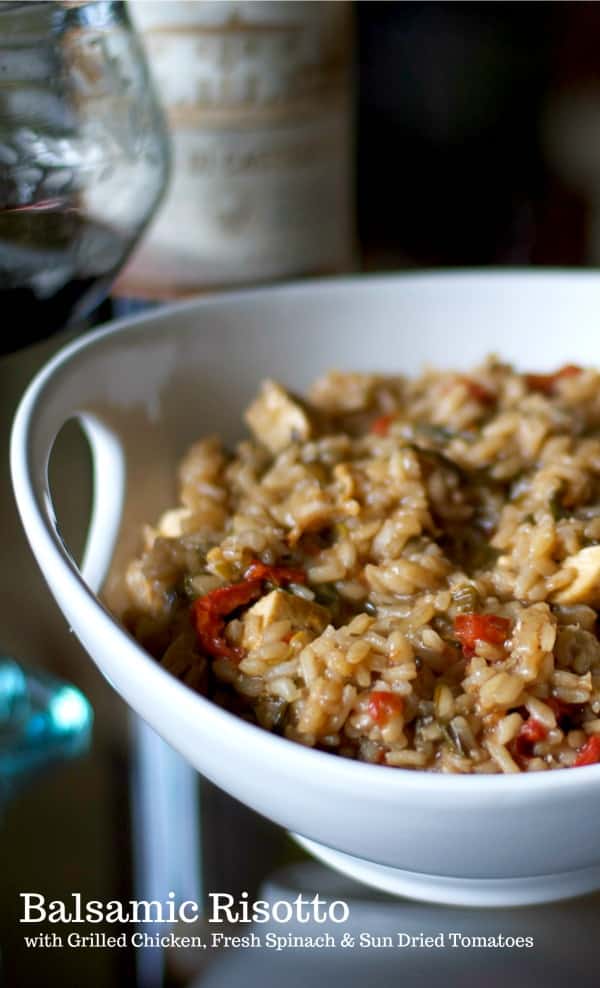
<point x="259" y="102"/>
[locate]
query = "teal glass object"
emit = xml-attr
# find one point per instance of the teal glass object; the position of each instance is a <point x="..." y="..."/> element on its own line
<point x="42" y="720"/>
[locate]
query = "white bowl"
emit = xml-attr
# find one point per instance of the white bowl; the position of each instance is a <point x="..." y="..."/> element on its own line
<point x="144" y="388"/>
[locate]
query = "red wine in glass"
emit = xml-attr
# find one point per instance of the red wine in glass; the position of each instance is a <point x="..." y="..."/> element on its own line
<point x="55" y="266"/>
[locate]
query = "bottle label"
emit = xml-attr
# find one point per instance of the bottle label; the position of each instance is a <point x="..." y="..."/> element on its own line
<point x="258" y="100"/>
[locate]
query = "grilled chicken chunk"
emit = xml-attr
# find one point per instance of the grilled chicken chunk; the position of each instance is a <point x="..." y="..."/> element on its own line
<point x="585" y="588"/>
<point x="277" y="419"/>
<point x="279" y="605"/>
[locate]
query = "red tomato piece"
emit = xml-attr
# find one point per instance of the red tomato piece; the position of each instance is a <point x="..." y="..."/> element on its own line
<point x="529" y="734"/>
<point x="224" y="600"/>
<point x="274" y="574"/>
<point x="383" y="706"/>
<point x="209" y="613"/>
<point x="547" y="382"/>
<point x="478" y="392"/>
<point x="210" y="629"/>
<point x="589" y="753"/>
<point x="471" y="628"/>
<point x="381" y="425"/>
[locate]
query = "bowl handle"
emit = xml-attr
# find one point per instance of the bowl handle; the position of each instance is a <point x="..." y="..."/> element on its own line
<point x="45" y="408"/>
<point x="37" y="424"/>
<point x="108" y="496"/>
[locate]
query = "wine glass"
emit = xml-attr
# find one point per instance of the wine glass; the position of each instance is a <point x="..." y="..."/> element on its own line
<point x="83" y="159"/>
<point x="83" y="165"/>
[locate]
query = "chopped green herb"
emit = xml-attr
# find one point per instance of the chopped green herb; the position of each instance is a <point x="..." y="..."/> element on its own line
<point x="415" y="543"/>
<point x="556" y="505"/>
<point x="466" y="598"/>
<point x="188" y="587"/>
<point x="433" y="459"/>
<point x="469" y="548"/>
<point x="442" y="434"/>
<point x="439" y="433"/>
<point x="326" y="594"/>
<point x="453" y="738"/>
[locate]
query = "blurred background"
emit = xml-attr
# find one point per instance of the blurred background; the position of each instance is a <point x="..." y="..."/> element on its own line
<point x="306" y="138"/>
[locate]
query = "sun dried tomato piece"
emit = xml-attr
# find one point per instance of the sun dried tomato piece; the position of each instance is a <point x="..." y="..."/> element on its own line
<point x="471" y="627"/>
<point x="589" y="753"/>
<point x="209" y="629"/>
<point x="381" y="426"/>
<point x="547" y="382"/>
<point x="529" y="734"/>
<point x="478" y="392"/>
<point x="225" y="600"/>
<point x="274" y="574"/>
<point x="383" y="706"/>
<point x="209" y="613"/>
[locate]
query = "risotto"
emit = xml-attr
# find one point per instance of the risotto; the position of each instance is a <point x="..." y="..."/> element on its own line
<point x="402" y="571"/>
